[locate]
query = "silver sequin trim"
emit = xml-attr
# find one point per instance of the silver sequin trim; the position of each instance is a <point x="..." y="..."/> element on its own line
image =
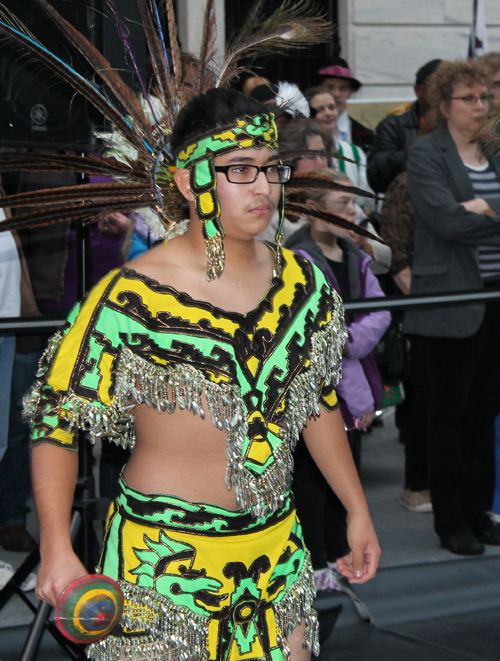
<point x="31" y="399"/>
<point x="175" y="633"/>
<point x="296" y="606"/>
<point x="165" y="387"/>
<point x="325" y="369"/>
<point x="172" y="632"/>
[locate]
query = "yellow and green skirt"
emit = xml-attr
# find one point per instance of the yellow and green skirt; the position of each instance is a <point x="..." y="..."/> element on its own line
<point x="204" y="582"/>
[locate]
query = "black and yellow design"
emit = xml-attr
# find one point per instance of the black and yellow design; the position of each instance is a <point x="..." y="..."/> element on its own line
<point x="205" y="581"/>
<point x="262" y="373"/>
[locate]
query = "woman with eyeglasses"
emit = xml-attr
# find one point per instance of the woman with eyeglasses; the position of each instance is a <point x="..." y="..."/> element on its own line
<point x="455" y="191"/>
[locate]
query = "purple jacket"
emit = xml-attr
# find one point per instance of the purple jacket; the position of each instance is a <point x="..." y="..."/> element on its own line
<point x="360" y="387"/>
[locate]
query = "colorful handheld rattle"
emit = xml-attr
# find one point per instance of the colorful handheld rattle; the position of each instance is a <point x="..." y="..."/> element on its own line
<point x="89" y="608"/>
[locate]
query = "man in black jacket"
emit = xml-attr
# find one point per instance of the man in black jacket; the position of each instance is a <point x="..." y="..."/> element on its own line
<point x="396" y="133"/>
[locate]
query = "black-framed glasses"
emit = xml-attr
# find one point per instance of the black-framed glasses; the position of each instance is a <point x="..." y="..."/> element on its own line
<point x="472" y="99"/>
<point x="247" y="174"/>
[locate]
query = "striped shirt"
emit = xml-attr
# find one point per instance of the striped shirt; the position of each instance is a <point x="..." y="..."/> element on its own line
<point x="486" y="185"/>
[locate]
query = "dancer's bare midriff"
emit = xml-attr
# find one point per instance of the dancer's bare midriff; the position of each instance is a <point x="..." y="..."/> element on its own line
<point x="180" y="454"/>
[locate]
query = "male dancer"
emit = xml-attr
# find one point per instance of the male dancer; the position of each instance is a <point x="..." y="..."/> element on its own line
<point x="203" y="537"/>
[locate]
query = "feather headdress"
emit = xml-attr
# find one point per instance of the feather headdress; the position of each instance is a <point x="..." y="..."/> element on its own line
<point x="291" y="100"/>
<point x="142" y="167"/>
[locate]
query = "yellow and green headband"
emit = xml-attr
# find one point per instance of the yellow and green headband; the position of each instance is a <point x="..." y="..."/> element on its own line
<point x="248" y="133"/>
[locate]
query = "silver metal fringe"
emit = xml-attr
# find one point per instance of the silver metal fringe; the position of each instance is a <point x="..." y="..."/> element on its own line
<point x="172" y="632"/>
<point x="279" y="254"/>
<point x="215" y="256"/>
<point x="31" y="399"/>
<point x="296" y="606"/>
<point x="175" y="633"/>
<point x="164" y="387"/>
<point x="325" y="369"/>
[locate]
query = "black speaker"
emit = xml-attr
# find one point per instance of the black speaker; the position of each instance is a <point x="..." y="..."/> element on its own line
<point x="38" y="109"/>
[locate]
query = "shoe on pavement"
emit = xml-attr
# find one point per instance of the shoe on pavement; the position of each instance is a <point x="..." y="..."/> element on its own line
<point x="16" y="538"/>
<point x="463" y="542"/>
<point x="491" y="535"/>
<point x="416" y="501"/>
<point x="6" y="573"/>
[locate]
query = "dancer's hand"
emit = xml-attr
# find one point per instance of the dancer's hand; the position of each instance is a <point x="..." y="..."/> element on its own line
<point x="360" y="565"/>
<point x="56" y="571"/>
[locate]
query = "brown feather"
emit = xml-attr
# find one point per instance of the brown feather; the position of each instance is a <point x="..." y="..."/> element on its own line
<point x="82" y="194"/>
<point x="333" y="219"/>
<point x="296" y="25"/>
<point x="293" y="153"/>
<point x="84" y="164"/>
<point x="207" y="50"/>
<point x="179" y="96"/>
<point x="158" y="62"/>
<point x="85" y="213"/>
<point x="303" y="180"/>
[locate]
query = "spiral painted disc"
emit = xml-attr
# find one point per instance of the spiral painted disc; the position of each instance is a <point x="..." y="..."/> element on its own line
<point x="89" y="608"/>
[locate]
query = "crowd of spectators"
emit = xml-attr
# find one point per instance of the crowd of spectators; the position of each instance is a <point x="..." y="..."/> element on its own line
<point x="438" y="212"/>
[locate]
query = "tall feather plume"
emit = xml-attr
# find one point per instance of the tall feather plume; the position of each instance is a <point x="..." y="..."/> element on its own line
<point x="207" y="50"/>
<point x="79" y="83"/>
<point x="103" y="68"/>
<point x="40" y="162"/>
<point x="179" y="98"/>
<point x="296" y="25"/>
<point x="333" y="219"/>
<point x="303" y="181"/>
<point x="156" y="46"/>
<point x="84" y="193"/>
<point x="85" y="213"/>
<point x="124" y="35"/>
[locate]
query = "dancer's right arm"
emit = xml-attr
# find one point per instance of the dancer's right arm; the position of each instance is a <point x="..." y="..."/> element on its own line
<point x="54" y="472"/>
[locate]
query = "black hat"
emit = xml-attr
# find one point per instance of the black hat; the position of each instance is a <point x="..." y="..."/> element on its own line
<point x="426" y="71"/>
<point x="338" y="68"/>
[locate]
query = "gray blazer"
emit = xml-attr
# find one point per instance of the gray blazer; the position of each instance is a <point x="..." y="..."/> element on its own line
<point x="446" y="236"/>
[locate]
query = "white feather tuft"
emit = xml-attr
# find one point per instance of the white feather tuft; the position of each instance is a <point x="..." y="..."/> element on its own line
<point x="290" y="99"/>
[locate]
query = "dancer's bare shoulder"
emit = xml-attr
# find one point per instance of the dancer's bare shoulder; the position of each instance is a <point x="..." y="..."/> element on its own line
<point x="169" y="265"/>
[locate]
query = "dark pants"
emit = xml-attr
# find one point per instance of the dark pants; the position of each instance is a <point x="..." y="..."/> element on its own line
<point x="465" y="400"/>
<point x="412" y="416"/>
<point x="15" y="476"/>
<point x="322" y="515"/>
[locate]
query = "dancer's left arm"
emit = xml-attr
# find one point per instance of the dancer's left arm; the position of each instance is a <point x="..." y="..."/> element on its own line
<point x="327" y="443"/>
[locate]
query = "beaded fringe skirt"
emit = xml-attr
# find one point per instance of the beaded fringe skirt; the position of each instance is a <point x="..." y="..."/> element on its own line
<point x="204" y="582"/>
